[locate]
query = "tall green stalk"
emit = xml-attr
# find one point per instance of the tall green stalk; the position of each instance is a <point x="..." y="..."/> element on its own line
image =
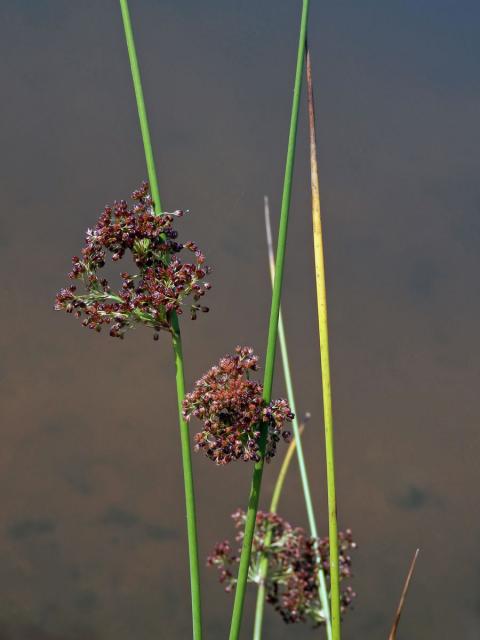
<point x="188" y="483"/>
<point x="325" y="361"/>
<point x="301" y="463"/>
<point x="272" y="336"/>
<point x="176" y="338"/>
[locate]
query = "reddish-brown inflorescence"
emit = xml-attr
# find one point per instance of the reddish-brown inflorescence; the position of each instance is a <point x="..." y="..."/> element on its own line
<point x="162" y="283"/>
<point x="292" y="579"/>
<point x="233" y="411"/>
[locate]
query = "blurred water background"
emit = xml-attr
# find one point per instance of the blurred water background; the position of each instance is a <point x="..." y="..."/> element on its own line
<point x="92" y="536"/>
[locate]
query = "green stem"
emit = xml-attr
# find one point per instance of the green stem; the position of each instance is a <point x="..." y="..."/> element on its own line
<point x="263" y="568"/>
<point x="272" y="336"/>
<point x="188" y="481"/>
<point x="176" y="338"/>
<point x="325" y="362"/>
<point x="301" y="463"/>
<point x="142" y="111"/>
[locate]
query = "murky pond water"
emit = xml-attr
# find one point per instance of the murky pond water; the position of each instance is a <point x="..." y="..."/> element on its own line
<point x="92" y="542"/>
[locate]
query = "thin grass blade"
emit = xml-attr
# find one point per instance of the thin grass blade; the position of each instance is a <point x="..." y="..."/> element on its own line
<point x="396" y="620"/>
<point x="325" y="362"/>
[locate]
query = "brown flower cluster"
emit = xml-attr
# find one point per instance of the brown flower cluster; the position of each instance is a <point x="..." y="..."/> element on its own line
<point x="234" y="413"/>
<point x="162" y="283"/>
<point x="292" y="578"/>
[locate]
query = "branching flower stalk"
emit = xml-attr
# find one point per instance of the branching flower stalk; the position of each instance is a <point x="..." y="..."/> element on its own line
<point x="325" y="363"/>
<point x="272" y="334"/>
<point x="295" y="445"/>
<point x="176" y="339"/>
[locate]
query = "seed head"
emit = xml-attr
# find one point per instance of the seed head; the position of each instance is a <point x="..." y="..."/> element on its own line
<point x="149" y="297"/>
<point x="234" y="413"/>
<point x="292" y="579"/>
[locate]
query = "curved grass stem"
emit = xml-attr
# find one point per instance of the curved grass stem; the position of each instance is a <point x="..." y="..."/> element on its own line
<point x="176" y="337"/>
<point x="272" y="335"/>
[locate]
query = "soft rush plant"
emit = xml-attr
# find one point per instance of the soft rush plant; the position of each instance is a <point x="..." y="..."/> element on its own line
<point x="153" y="297"/>
<point x="288" y="567"/>
<point x="176" y="340"/>
<point x="272" y="336"/>
<point x="240" y="420"/>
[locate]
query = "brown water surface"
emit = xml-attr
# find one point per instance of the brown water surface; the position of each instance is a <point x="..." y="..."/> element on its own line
<point x="92" y="536"/>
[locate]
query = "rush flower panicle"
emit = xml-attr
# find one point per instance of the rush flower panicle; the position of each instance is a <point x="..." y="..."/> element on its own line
<point x="292" y="578"/>
<point x="233" y="411"/>
<point x="162" y="283"/>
